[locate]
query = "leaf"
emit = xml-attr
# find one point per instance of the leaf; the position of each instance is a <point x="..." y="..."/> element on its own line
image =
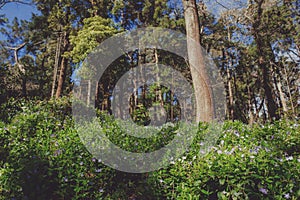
<point x="205" y="191"/>
<point x="222" y="181"/>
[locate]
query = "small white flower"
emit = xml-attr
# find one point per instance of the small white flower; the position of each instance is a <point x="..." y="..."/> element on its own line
<point x="263" y="190"/>
<point x="202" y="151"/>
<point x="287" y="196"/>
<point x="289" y="158"/>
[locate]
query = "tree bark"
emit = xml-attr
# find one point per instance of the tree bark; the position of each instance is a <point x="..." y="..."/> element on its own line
<point x="262" y="48"/>
<point x="63" y="69"/>
<point x="57" y="58"/>
<point x="204" y="110"/>
<point x="61" y="79"/>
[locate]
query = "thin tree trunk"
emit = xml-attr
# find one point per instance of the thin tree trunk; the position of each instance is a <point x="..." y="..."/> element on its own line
<point x="88" y="98"/>
<point x="41" y="78"/>
<point x="250" y="112"/>
<point x="289" y="90"/>
<point x="57" y="58"/>
<point x="282" y="98"/>
<point x="229" y="85"/>
<point x="159" y="89"/>
<point x="200" y="79"/>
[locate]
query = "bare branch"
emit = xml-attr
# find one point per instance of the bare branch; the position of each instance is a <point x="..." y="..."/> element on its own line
<point x="222" y="5"/>
<point x="16" y="50"/>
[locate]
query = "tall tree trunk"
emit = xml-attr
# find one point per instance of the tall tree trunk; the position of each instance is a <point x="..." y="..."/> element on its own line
<point x="268" y="89"/>
<point x="88" y="98"/>
<point x="204" y="111"/>
<point x="250" y="110"/>
<point x="289" y="90"/>
<point x="61" y="79"/>
<point x="63" y="69"/>
<point x="41" y="78"/>
<point x="263" y="51"/>
<point x="56" y="64"/>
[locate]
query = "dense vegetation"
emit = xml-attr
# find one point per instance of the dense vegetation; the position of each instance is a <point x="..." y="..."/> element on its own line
<point x="42" y="157"/>
<point x="255" y="46"/>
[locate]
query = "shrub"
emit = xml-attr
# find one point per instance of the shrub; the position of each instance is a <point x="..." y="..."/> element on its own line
<point x="42" y="157"/>
<point x="246" y="163"/>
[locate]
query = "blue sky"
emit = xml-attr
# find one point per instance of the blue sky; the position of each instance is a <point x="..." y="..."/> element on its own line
<point x="21" y="11"/>
<point x="12" y="10"/>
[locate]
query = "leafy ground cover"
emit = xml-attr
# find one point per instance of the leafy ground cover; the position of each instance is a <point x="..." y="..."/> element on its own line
<point x="42" y="157"/>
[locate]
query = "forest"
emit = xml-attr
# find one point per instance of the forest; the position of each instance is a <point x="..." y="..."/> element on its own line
<point x="240" y="58"/>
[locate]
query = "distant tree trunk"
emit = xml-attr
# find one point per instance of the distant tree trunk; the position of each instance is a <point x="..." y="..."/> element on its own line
<point x="263" y="51"/>
<point x="289" y="89"/>
<point x="204" y="111"/>
<point x="97" y="94"/>
<point x="56" y="64"/>
<point x="250" y="110"/>
<point x="88" y="98"/>
<point x="63" y="69"/>
<point x="230" y="106"/>
<point x="41" y="78"/>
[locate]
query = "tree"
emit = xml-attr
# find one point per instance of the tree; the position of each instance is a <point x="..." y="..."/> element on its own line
<point x="196" y="60"/>
<point x="16" y="36"/>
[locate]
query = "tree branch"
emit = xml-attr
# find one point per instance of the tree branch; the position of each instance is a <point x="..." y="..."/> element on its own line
<point x="16" y="50"/>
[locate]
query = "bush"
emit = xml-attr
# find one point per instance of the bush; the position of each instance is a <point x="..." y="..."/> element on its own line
<point x="42" y="157"/>
<point x="246" y="163"/>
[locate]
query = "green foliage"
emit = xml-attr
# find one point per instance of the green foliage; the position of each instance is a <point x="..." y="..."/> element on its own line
<point x="260" y="162"/>
<point x="42" y="157"/>
<point x="95" y="30"/>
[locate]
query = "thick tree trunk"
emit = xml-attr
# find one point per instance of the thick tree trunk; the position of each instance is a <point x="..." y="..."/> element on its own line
<point x="61" y="79"/>
<point x="204" y="111"/>
<point x="263" y="51"/>
<point x="271" y="104"/>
